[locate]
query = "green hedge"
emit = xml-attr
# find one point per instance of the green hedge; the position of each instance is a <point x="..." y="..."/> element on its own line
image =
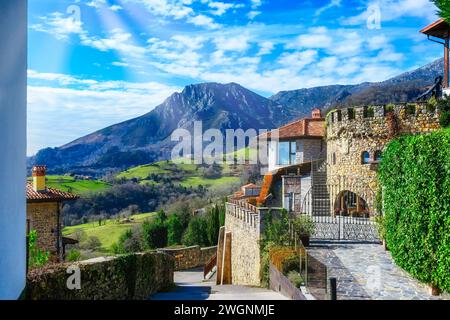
<point x="415" y="176"/>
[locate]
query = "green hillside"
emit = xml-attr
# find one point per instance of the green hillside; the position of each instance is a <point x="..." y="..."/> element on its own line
<point x="109" y="232"/>
<point x="184" y="174"/>
<point x="70" y="184"/>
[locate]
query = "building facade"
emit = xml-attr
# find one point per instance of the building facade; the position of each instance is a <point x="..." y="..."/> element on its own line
<point x="44" y="214"/>
<point x="356" y="138"/>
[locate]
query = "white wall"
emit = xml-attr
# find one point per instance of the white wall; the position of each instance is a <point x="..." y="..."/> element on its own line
<point x="13" y="72"/>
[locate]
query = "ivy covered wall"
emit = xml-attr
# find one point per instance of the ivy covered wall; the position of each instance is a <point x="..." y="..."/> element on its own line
<point x="415" y="177"/>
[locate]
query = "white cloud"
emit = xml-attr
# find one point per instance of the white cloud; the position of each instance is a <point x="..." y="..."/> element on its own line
<point x="238" y="43"/>
<point x="253" y="14"/>
<point x="118" y="40"/>
<point x="59" y="26"/>
<point x="298" y="60"/>
<point x="315" y="38"/>
<point x="203" y="21"/>
<point x="266" y="47"/>
<point x="221" y="8"/>
<point x="115" y="7"/>
<point x="332" y="4"/>
<point x="394" y="9"/>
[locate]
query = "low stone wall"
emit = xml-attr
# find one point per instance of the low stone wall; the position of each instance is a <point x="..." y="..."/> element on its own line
<point x="190" y="257"/>
<point x="127" y="277"/>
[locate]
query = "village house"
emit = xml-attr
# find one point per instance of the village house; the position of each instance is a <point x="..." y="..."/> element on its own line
<point x="295" y="153"/>
<point x="44" y="214"/>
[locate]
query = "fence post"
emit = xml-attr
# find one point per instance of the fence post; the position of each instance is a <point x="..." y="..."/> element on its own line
<point x="332" y="288"/>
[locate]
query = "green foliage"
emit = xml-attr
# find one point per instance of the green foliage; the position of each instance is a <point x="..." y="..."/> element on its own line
<point x="196" y="233"/>
<point x="415" y="175"/>
<point x="213" y="222"/>
<point x="303" y="225"/>
<point x="222" y="215"/>
<point x="73" y="255"/>
<point x="275" y="234"/>
<point x="154" y="234"/>
<point x="411" y="108"/>
<point x="38" y="257"/>
<point x="92" y="243"/>
<point x="161" y="215"/>
<point x="432" y="104"/>
<point x="174" y="229"/>
<point x="443" y="8"/>
<point x="295" y="278"/>
<point x="276" y="228"/>
<point x="369" y="112"/>
<point x="389" y="108"/>
<point x="444" y="108"/>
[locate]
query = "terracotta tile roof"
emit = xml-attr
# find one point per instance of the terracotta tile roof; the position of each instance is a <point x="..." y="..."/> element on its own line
<point x="51" y="195"/>
<point x="307" y="127"/>
<point x="250" y="185"/>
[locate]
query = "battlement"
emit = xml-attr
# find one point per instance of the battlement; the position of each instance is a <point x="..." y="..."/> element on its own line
<point x="410" y="118"/>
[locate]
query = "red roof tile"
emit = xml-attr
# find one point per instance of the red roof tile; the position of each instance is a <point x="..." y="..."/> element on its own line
<point x="303" y="128"/>
<point x="50" y="195"/>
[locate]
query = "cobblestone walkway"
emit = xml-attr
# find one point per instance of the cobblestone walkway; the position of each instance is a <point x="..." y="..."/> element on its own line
<point x="366" y="271"/>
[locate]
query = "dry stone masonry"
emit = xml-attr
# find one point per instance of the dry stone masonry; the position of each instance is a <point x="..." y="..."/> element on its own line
<point x="357" y="136"/>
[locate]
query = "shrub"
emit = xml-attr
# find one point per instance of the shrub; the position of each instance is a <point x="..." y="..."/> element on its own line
<point x="444" y="108"/>
<point x="369" y="112"/>
<point x="154" y="234"/>
<point x="196" y="233"/>
<point x="389" y="108"/>
<point x="174" y="230"/>
<point x="73" y="255"/>
<point x="213" y="221"/>
<point x="410" y="109"/>
<point x="38" y="257"/>
<point x="92" y="243"/>
<point x="415" y="175"/>
<point x="295" y="278"/>
<point x="304" y="226"/>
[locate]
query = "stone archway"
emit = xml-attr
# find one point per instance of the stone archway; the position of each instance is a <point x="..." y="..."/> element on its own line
<point x="348" y="203"/>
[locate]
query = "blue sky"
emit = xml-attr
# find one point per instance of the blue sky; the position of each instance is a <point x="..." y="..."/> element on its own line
<point x="94" y="63"/>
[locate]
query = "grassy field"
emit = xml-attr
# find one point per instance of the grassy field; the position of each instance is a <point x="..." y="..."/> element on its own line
<point x="70" y="184"/>
<point x="191" y="174"/>
<point x="109" y="232"/>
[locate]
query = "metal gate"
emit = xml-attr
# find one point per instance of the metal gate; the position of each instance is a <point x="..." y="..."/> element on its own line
<point x="345" y="228"/>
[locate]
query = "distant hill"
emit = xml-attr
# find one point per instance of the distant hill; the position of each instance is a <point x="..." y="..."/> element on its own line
<point x="146" y="139"/>
<point x="403" y="88"/>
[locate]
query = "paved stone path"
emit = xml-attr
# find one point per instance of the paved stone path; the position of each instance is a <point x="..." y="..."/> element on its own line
<point x="366" y="271"/>
<point x="190" y="286"/>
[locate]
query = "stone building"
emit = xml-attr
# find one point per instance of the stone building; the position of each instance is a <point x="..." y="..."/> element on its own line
<point x="294" y="152"/>
<point x="44" y="213"/>
<point x="356" y="138"/>
<point x="297" y="142"/>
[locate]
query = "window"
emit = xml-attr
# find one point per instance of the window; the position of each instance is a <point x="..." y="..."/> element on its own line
<point x="365" y="157"/>
<point x="378" y="155"/>
<point x="333" y="159"/>
<point x="287" y="153"/>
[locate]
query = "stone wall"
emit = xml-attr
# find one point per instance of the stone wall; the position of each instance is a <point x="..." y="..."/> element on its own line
<point x="350" y="132"/>
<point x="191" y="257"/>
<point x="43" y="218"/>
<point x="310" y="149"/>
<point x="128" y="277"/>
<point x="245" y="229"/>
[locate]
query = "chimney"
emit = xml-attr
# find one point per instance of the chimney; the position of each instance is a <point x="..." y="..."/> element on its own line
<point x="39" y="178"/>
<point x="317" y="114"/>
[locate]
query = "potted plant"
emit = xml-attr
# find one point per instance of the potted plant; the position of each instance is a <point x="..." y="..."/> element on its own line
<point x="304" y="227"/>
